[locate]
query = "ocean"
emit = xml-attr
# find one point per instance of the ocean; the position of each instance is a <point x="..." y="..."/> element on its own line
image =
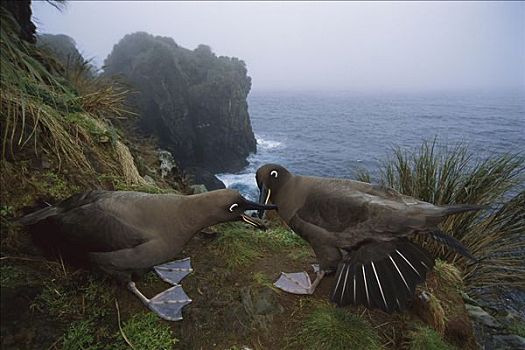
<point x="334" y="134"/>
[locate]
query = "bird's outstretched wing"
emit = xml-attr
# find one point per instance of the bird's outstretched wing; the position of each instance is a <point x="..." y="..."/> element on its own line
<point x="382" y="267"/>
<point x="381" y="275"/>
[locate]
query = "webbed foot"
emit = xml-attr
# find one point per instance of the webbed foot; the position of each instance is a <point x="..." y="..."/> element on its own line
<point x="299" y="282"/>
<point x="174" y="271"/>
<point x="168" y="304"/>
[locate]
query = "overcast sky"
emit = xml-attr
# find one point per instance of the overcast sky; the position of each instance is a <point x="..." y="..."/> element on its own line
<point x="362" y="46"/>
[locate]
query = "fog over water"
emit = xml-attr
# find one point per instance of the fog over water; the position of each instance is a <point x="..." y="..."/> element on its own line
<point x="370" y="46"/>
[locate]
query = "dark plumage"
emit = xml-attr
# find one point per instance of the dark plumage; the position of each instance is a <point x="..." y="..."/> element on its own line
<point x="360" y="230"/>
<point x="125" y="233"/>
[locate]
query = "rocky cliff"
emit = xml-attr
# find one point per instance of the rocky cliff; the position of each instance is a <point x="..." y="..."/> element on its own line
<point x="193" y="100"/>
<point x="63" y="48"/>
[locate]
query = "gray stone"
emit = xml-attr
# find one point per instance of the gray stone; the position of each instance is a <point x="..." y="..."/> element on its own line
<point x="149" y="180"/>
<point x="199" y="175"/>
<point x="261" y="305"/>
<point x="198" y="189"/>
<point x="479" y="315"/>
<point x="468" y="300"/>
<point x="510" y="342"/>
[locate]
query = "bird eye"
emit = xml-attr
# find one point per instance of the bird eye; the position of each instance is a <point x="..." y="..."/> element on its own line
<point x="232" y="207"/>
<point x="274" y="173"/>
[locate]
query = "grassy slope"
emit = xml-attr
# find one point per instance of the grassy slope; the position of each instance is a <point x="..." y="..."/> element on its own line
<point x="233" y="305"/>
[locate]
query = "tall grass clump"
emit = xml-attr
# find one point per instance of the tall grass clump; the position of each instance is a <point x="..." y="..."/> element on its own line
<point x="442" y="176"/>
<point x="328" y="327"/>
<point x="242" y="245"/>
<point x="428" y="339"/>
<point x="32" y="100"/>
<point x="37" y="101"/>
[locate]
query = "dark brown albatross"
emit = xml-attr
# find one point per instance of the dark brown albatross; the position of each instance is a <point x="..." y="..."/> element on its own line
<point x="360" y="231"/>
<point x="127" y="233"/>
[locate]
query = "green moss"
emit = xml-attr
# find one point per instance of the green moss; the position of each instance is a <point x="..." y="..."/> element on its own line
<point x="425" y="338"/>
<point x="98" y="298"/>
<point x="146" y="332"/>
<point x="118" y="184"/>
<point x="83" y="296"/>
<point x="283" y="238"/>
<point x="100" y="132"/>
<point x="56" y="186"/>
<point x="237" y="244"/>
<point x="58" y="301"/>
<point x="242" y="245"/>
<point x="263" y="280"/>
<point x="300" y="254"/>
<point x="332" y="328"/>
<point x="80" y="335"/>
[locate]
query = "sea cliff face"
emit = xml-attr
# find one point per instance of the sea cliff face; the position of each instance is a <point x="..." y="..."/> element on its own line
<point x="193" y="100"/>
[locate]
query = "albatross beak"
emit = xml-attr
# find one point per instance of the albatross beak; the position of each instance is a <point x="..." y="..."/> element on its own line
<point x="264" y="197"/>
<point x="254" y="222"/>
<point x="260" y="208"/>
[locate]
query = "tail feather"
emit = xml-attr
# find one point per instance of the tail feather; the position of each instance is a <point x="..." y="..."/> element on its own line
<point x="39" y="215"/>
<point x="381" y="275"/>
<point x="451" y="242"/>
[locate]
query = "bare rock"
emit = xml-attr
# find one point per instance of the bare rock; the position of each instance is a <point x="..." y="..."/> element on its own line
<point x="480" y="316"/>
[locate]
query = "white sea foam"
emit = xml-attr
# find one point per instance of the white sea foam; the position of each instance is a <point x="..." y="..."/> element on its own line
<point x="230" y="180"/>
<point x="267" y="144"/>
<point x="244" y="183"/>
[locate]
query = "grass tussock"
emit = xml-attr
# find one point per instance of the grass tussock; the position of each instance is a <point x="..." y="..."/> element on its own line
<point x="425" y="338"/>
<point x="444" y="176"/>
<point x="238" y="244"/>
<point x="145" y="331"/>
<point x="142" y="330"/>
<point x="80" y="335"/>
<point x="448" y="274"/>
<point x="243" y="245"/>
<point x="328" y="327"/>
<point x="45" y="112"/>
<point x="438" y="317"/>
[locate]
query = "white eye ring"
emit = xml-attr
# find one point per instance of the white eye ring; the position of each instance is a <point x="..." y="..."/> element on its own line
<point x="233" y="206"/>
<point x="274" y="173"/>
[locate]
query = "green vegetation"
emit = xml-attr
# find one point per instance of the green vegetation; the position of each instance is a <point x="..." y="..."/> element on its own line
<point x="425" y="338"/>
<point x="447" y="176"/>
<point x="328" y="327"/>
<point x="47" y="113"/>
<point x="80" y="336"/>
<point x="145" y="332"/>
<point x="263" y="280"/>
<point x="448" y="274"/>
<point x="243" y="245"/>
<point x="63" y="48"/>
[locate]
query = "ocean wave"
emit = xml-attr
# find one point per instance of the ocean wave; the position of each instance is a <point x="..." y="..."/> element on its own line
<point x="267" y="144"/>
<point x="244" y="183"/>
